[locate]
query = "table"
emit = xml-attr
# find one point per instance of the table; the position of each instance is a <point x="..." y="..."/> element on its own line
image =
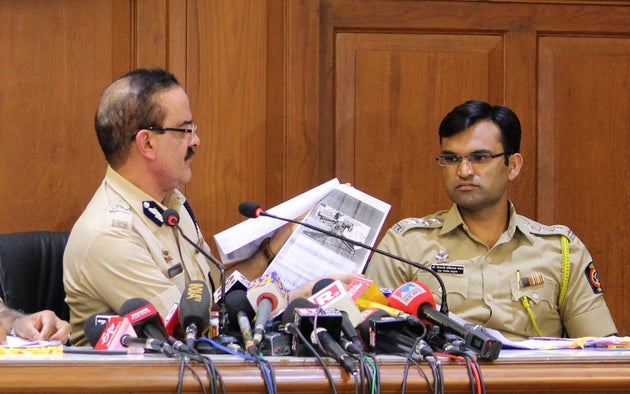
<point x="515" y="371"/>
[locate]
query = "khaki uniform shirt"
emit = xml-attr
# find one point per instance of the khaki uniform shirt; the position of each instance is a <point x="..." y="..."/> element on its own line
<point x="482" y="284"/>
<point x="120" y="249"/>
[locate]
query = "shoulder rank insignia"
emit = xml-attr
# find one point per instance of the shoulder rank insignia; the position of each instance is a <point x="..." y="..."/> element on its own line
<point x="410" y="223"/>
<point x="557" y="229"/>
<point x="120" y="215"/>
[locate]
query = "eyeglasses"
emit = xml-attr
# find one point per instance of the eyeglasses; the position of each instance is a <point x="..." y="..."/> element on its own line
<point x="191" y="130"/>
<point x="475" y="158"/>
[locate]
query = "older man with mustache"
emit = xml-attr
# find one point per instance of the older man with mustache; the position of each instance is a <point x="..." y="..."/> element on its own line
<point x="120" y="248"/>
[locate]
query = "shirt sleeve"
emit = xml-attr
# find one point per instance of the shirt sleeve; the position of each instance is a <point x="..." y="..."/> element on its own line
<point x="585" y="312"/>
<point x="120" y="267"/>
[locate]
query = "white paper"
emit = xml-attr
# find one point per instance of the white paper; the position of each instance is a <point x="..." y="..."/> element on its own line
<point x="243" y="240"/>
<point x="309" y="254"/>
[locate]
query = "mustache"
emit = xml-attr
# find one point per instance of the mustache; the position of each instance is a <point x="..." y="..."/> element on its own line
<point x="189" y="153"/>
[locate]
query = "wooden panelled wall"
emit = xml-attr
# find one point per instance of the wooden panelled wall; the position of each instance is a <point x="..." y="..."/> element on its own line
<point x="291" y="93"/>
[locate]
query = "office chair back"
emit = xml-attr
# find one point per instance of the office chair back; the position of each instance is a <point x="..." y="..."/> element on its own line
<point x="31" y="271"/>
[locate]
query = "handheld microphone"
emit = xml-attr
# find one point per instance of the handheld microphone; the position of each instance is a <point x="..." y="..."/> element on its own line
<point x="268" y="298"/>
<point x="171" y="321"/>
<point x="118" y="334"/>
<point x="331" y="294"/>
<point x="94" y="326"/>
<point x="171" y="218"/>
<point x="377" y="333"/>
<point x="411" y="319"/>
<point x="130" y="341"/>
<point x="236" y="281"/>
<point x="253" y="210"/>
<point x="144" y="318"/>
<point x="416" y="298"/>
<point x="305" y="315"/>
<point x="240" y="311"/>
<point x="194" y="310"/>
<point x="320" y="335"/>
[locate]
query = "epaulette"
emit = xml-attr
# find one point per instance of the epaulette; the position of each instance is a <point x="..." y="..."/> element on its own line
<point x="410" y="223"/>
<point x="119" y="215"/>
<point x="557" y="229"/>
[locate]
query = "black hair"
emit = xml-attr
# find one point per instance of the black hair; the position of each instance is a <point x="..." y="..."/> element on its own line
<point x="471" y="112"/>
<point x="126" y="106"/>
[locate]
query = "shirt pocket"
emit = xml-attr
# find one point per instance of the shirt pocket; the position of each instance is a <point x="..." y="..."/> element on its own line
<point x="543" y="295"/>
<point x="457" y="289"/>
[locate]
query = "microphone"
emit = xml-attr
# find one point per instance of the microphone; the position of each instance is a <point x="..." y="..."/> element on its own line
<point x="382" y="333"/>
<point x="320" y="335"/>
<point x="171" y="218"/>
<point x="130" y="341"/>
<point x="331" y="294"/>
<point x="253" y="210"/>
<point x="236" y="281"/>
<point x="240" y="310"/>
<point x="367" y="305"/>
<point x="94" y="326"/>
<point x="365" y="289"/>
<point x="268" y="298"/>
<point x="144" y="318"/>
<point x="194" y="310"/>
<point x="416" y="298"/>
<point x="305" y="315"/>
<point x="118" y="334"/>
<point x="171" y="321"/>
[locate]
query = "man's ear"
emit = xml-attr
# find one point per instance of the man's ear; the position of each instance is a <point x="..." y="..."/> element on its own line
<point x="515" y="163"/>
<point x="143" y="143"/>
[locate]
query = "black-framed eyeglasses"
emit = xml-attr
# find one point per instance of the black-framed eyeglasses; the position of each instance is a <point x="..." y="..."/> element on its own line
<point x="475" y="158"/>
<point x="191" y="130"/>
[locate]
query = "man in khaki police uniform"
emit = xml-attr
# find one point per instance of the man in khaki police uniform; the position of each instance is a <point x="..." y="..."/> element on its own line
<point x="500" y="269"/>
<point x="120" y="248"/>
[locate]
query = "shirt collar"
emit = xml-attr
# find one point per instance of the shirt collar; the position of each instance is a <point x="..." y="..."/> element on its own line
<point x="135" y="197"/>
<point x="453" y="220"/>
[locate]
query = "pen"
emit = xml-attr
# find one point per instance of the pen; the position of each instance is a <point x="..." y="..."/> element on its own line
<point x="518" y="279"/>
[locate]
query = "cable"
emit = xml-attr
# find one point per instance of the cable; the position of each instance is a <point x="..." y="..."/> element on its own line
<point x="292" y="328"/>
<point x="265" y="367"/>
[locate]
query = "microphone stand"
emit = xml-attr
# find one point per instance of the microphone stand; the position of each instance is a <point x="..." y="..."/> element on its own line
<point x="220" y="266"/>
<point x="443" y="306"/>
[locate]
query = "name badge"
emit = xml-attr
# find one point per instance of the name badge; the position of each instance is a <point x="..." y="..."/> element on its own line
<point x="175" y="270"/>
<point x="453" y="269"/>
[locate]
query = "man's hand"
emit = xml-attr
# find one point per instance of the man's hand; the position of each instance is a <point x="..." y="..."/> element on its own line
<point x="44" y="325"/>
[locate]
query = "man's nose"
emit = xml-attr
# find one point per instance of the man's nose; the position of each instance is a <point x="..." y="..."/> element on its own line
<point x="465" y="168"/>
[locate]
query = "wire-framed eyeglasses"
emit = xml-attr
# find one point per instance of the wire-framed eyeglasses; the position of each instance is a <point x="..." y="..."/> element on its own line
<point x="191" y="130"/>
<point x="475" y="158"/>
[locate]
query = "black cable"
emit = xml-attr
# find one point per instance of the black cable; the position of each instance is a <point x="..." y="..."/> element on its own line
<point x="292" y="328"/>
<point x="180" y="380"/>
<point x="213" y="374"/>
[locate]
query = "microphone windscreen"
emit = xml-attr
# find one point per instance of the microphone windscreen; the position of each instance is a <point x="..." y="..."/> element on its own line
<point x="321" y="284"/>
<point x="363" y="328"/>
<point x="236" y="301"/>
<point x="170" y="217"/>
<point x="144" y="317"/>
<point x="249" y="209"/>
<point x="410" y="296"/>
<point x="93" y="328"/>
<point x="289" y="313"/>
<point x="194" y="306"/>
<point x="268" y="286"/>
<point x="131" y="305"/>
